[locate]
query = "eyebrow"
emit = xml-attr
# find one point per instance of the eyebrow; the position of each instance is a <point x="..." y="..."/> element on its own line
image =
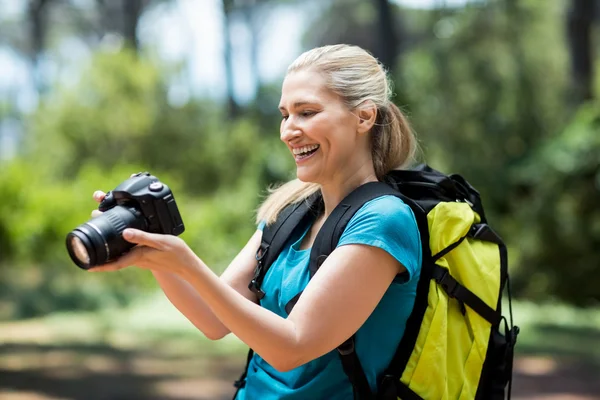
<point x="299" y="104"/>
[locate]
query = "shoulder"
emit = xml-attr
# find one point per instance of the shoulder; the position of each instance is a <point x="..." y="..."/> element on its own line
<point x="390" y="224"/>
<point x="384" y="213"/>
<point x="387" y="207"/>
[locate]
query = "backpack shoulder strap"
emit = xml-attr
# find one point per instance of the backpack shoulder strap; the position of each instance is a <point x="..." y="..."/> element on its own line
<point x="276" y="235"/>
<point x="329" y="235"/>
<point x="325" y="242"/>
<point x="272" y="242"/>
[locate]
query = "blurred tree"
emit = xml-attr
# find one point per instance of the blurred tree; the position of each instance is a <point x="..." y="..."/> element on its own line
<point x="37" y="12"/>
<point x="579" y="26"/>
<point x="119" y="112"/>
<point x="91" y="135"/>
<point x="232" y="106"/>
<point x="387" y="48"/>
<point x="253" y="14"/>
<point x="561" y="239"/>
<point x="479" y="95"/>
<point x="354" y="21"/>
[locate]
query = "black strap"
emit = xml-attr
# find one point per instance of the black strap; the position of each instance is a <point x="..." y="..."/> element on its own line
<point x="241" y="382"/>
<point x="275" y="236"/>
<point x="325" y="242"/>
<point x="331" y="231"/>
<point x="354" y="370"/>
<point x="456" y="290"/>
<point x="391" y="388"/>
<point x="273" y="239"/>
<point x="406" y="393"/>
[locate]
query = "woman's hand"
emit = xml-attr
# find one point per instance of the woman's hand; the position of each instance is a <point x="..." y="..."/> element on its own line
<point x="154" y="251"/>
<point x="98" y="197"/>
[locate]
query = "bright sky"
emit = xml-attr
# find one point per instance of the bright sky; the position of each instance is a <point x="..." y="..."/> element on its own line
<point x="191" y="29"/>
<point x="181" y="30"/>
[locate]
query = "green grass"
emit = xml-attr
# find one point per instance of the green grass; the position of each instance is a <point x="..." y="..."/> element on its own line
<point x="558" y="330"/>
<point x="152" y="322"/>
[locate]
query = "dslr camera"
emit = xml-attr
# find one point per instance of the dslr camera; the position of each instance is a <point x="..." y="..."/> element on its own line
<point x="141" y="202"/>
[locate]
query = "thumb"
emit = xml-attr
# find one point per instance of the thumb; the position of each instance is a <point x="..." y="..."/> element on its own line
<point x="144" y="238"/>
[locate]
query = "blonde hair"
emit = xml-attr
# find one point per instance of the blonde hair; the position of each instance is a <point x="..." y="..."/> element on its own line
<point x="356" y="76"/>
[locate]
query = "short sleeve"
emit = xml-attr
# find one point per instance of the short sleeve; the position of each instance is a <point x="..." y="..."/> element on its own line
<point x="261" y="225"/>
<point x="389" y="224"/>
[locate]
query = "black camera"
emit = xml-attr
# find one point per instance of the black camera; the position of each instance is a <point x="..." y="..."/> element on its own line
<point x="141" y="202"/>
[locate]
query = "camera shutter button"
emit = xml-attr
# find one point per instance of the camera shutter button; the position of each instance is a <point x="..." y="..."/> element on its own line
<point x="155" y="186"/>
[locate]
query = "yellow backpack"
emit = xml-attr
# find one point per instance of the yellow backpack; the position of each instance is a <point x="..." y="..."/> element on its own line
<point x="457" y="345"/>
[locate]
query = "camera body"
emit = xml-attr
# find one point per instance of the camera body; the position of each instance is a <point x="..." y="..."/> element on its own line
<point x="152" y="198"/>
<point x="141" y="202"/>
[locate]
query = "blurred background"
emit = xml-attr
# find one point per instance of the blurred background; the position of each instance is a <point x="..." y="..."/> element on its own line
<point x="504" y="92"/>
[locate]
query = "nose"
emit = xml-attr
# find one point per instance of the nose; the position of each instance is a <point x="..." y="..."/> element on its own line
<point x="289" y="130"/>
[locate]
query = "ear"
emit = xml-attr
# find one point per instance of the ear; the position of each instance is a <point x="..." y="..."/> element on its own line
<point x="367" y="114"/>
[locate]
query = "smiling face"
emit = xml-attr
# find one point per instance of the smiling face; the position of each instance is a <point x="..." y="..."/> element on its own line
<point x="320" y="131"/>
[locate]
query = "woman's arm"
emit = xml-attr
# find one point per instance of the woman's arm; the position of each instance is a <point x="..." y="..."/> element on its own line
<point x="336" y="302"/>
<point x="334" y="305"/>
<point x="190" y="303"/>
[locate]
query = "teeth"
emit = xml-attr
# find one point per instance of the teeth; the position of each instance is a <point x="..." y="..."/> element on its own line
<point x="305" y="149"/>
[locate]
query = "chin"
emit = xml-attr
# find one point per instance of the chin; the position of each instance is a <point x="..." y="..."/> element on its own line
<point x="306" y="178"/>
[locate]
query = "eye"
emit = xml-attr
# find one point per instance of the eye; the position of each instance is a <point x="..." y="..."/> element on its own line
<point x="284" y="117"/>
<point x="307" y="113"/>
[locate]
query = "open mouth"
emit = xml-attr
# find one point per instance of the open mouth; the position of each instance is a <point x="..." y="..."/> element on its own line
<point x="306" y="153"/>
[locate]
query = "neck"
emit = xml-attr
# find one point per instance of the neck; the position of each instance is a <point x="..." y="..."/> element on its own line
<point x="334" y="192"/>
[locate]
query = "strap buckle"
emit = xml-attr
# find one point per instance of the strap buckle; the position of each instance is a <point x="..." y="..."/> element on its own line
<point x="262" y="251"/>
<point x="449" y="284"/>
<point x="255" y="283"/>
<point x="347" y="347"/>
<point x="240" y="383"/>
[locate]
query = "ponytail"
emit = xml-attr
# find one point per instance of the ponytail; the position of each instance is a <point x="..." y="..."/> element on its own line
<point x="393" y="143"/>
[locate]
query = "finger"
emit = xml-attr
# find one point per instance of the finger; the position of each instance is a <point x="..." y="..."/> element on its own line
<point x="105" y="268"/>
<point x="96" y="213"/>
<point x="99" y="195"/>
<point x="137" y="236"/>
<point x="131" y="258"/>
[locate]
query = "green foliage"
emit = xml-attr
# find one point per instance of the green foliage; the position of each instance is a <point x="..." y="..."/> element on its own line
<point x="469" y="91"/>
<point x="40" y="211"/>
<point x="484" y="101"/>
<point x="116" y="120"/>
<point x="560" y="194"/>
<point x="119" y="111"/>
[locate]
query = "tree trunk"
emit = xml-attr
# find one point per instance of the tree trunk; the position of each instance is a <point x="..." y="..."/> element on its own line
<point x="387" y="43"/>
<point x="132" y="10"/>
<point x="232" y="105"/>
<point x="37" y="22"/>
<point x="579" y="28"/>
<point x="254" y="22"/>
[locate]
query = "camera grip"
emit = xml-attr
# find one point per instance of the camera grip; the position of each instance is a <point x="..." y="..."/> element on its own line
<point x="107" y="203"/>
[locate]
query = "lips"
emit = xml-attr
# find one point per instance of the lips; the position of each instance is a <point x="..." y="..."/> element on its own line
<point x="303" y="150"/>
<point x="305" y="155"/>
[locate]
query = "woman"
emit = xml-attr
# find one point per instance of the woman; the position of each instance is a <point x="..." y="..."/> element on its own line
<point x="343" y="131"/>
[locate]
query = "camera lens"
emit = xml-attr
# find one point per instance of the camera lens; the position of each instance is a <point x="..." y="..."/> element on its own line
<point x="99" y="240"/>
<point x="79" y="250"/>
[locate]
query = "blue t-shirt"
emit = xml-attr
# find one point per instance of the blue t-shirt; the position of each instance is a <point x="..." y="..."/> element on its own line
<point x="387" y="223"/>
